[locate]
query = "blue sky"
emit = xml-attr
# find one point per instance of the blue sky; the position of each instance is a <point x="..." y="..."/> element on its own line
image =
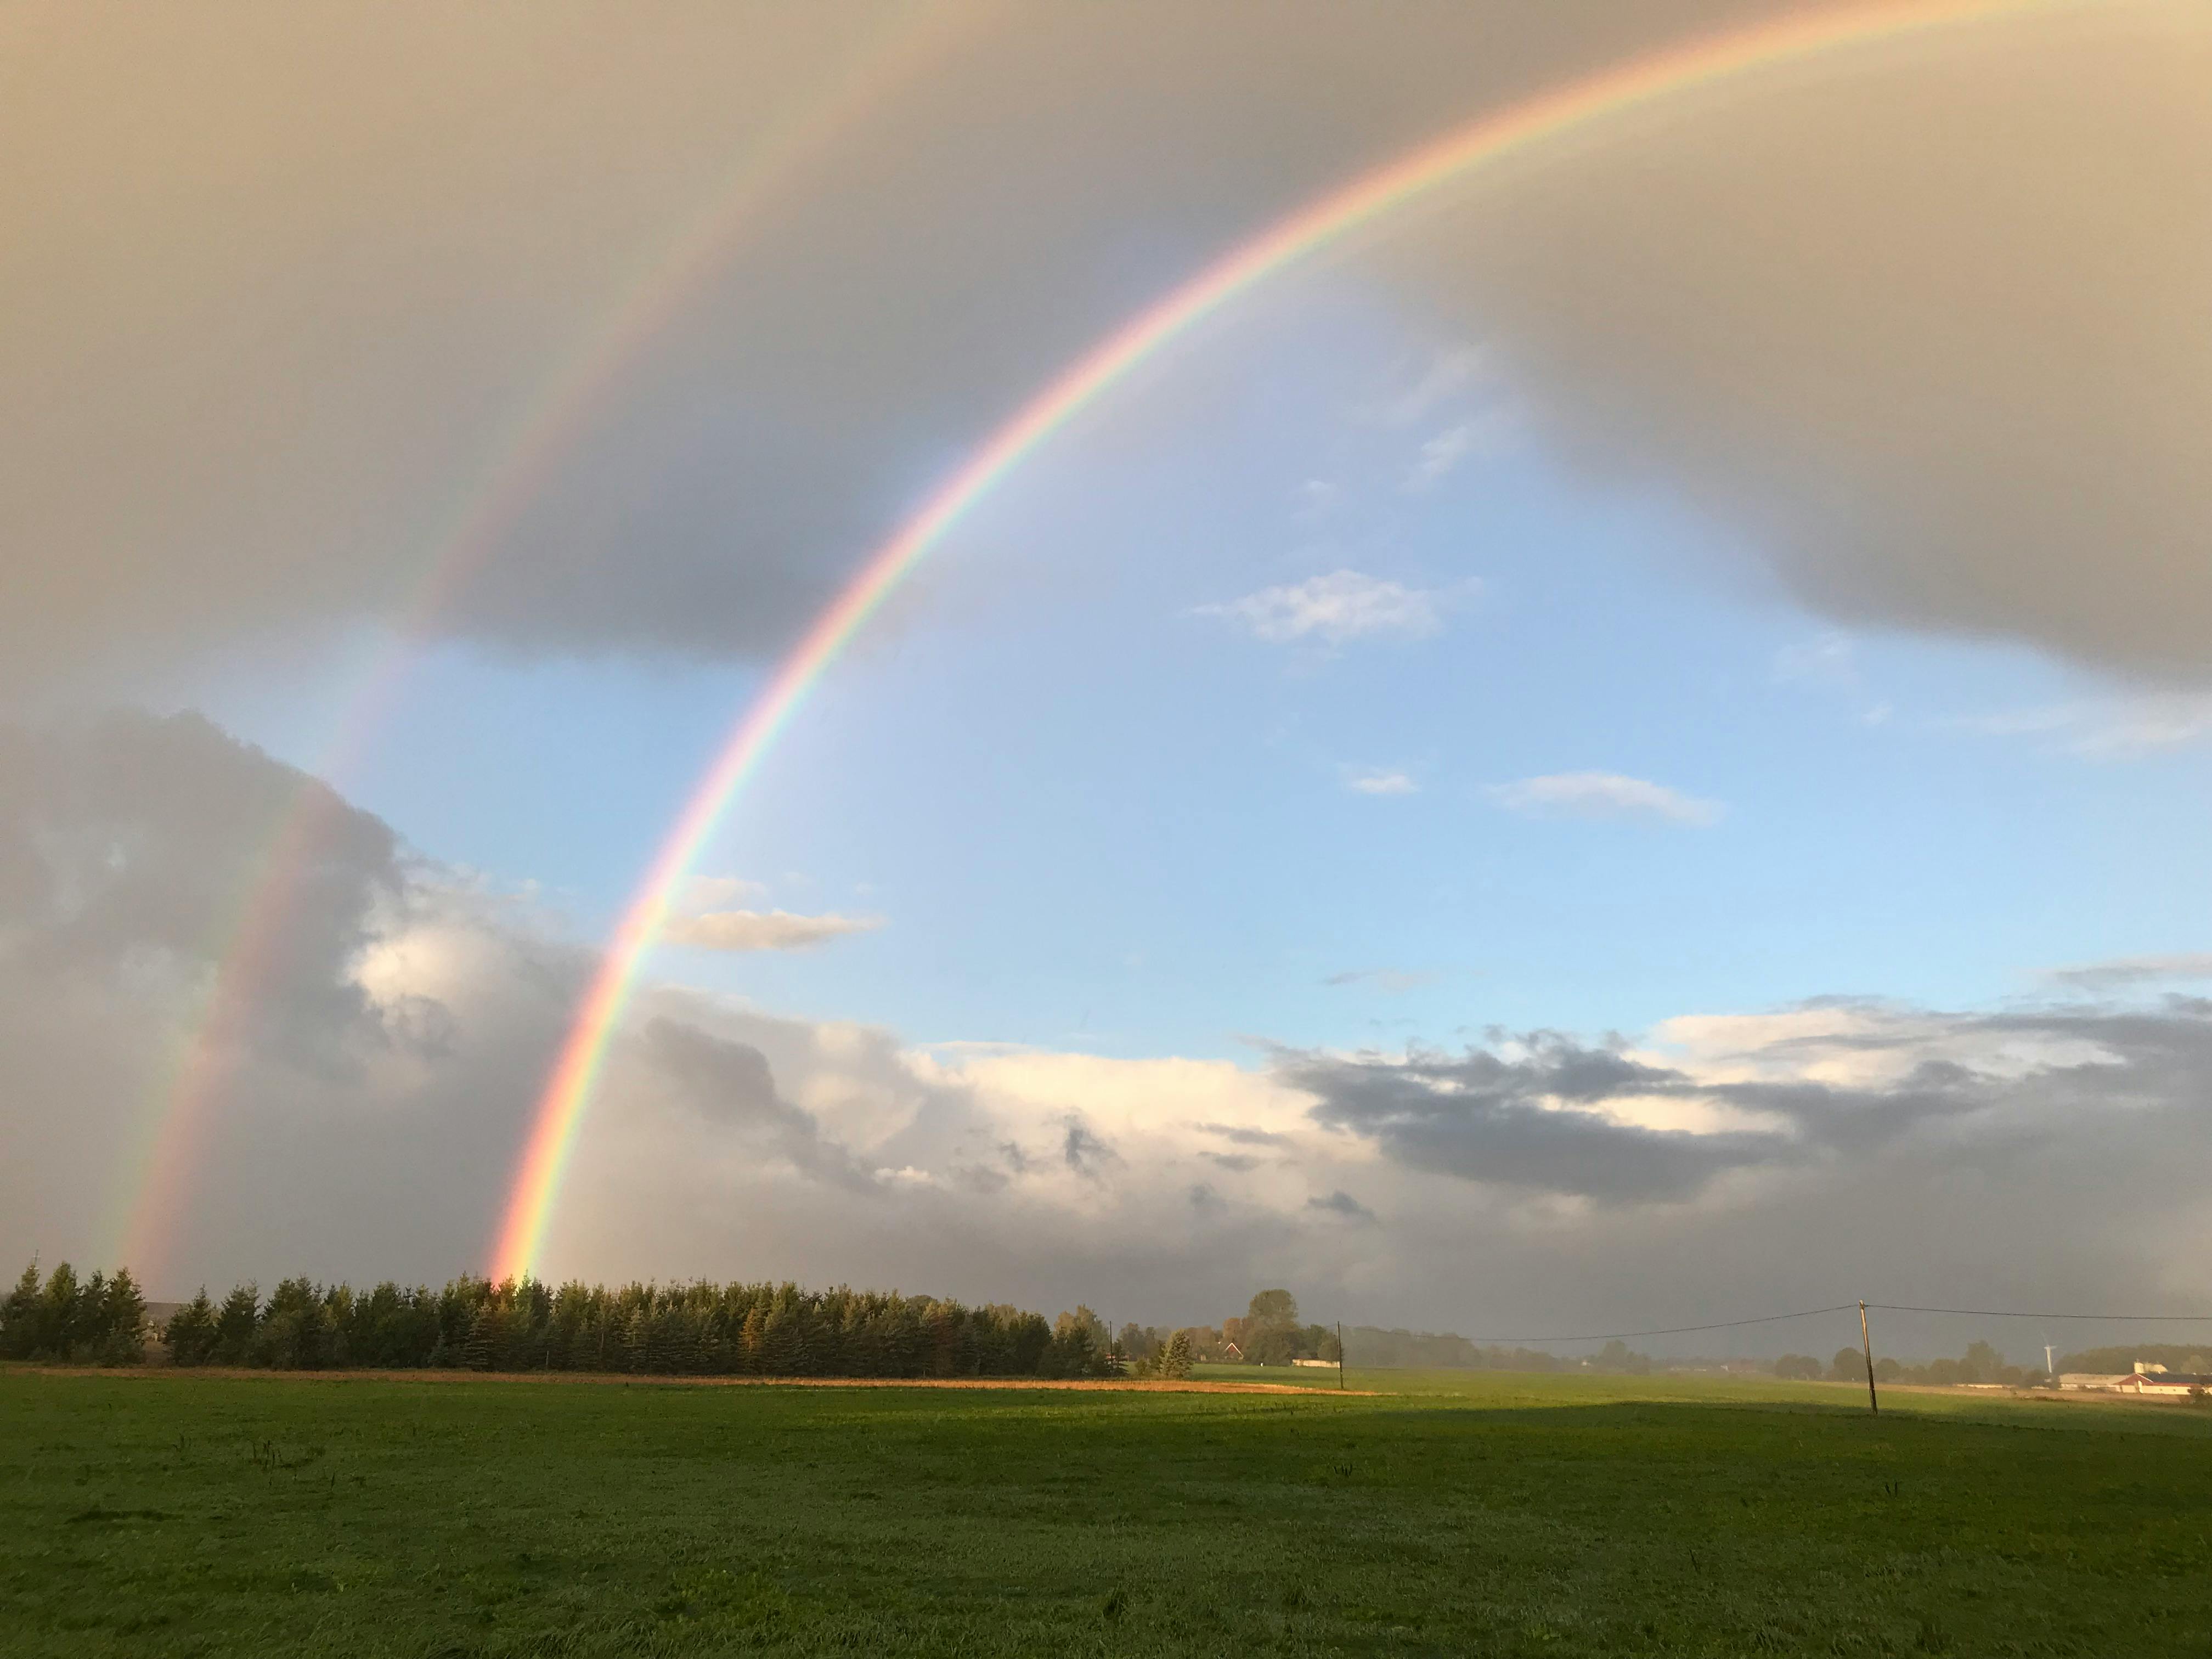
<point x="1090" y="808"/>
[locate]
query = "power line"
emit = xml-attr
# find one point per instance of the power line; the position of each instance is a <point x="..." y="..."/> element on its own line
<point x="2002" y="1313"/>
<point x="1672" y="1330"/>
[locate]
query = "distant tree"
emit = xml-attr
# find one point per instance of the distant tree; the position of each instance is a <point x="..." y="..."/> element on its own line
<point x="1618" y="1356"/>
<point x="1886" y="1370"/>
<point x="57" y="1314"/>
<point x="1273" y="1308"/>
<point x="1798" y="1368"/>
<point x="123" y="1321"/>
<point x="1848" y="1366"/>
<point x="483" y="1332"/>
<point x="235" y="1325"/>
<point x="19" y="1317"/>
<point x="1982" y="1364"/>
<point x="190" y="1332"/>
<point x="1174" y="1358"/>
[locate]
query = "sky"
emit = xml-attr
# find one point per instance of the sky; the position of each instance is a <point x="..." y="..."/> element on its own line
<point x="1627" y="746"/>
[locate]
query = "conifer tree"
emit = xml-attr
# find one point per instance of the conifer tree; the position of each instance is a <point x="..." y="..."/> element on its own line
<point x="123" y="1319"/>
<point x="57" y="1314"/>
<point x="19" y="1317"/>
<point x="476" y="1351"/>
<point x="190" y="1332"/>
<point x="235" y="1325"/>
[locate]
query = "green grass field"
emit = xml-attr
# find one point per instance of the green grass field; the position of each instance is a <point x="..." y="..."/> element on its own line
<point x="1449" y="1514"/>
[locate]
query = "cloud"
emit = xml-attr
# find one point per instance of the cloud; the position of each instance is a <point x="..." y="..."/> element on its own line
<point x="763" y="930"/>
<point x="1392" y="981"/>
<point x="1923" y="341"/>
<point x="294" y="293"/>
<point x="1380" y="781"/>
<point x="2124" y="972"/>
<point x="1830" y="659"/>
<point x="1343" y="1205"/>
<point x="731" y="1082"/>
<point x="1477" y="438"/>
<point x="1605" y="795"/>
<point x="1449" y="373"/>
<point x="2106" y="728"/>
<point x="1839" y="1082"/>
<point x="374" y="1107"/>
<point x="1336" y="609"/>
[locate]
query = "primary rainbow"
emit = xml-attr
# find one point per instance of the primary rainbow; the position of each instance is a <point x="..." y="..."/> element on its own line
<point x="155" y="1173"/>
<point x="1491" y="139"/>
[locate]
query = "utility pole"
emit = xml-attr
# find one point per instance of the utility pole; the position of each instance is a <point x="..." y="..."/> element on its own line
<point x="1866" y="1341"/>
<point x="1339" y="1353"/>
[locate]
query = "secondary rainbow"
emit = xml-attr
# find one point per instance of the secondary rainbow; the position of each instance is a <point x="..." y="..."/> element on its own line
<point x="155" y="1176"/>
<point x="1669" y="73"/>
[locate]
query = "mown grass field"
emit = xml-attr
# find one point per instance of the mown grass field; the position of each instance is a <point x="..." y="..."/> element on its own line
<point x="1477" y="1513"/>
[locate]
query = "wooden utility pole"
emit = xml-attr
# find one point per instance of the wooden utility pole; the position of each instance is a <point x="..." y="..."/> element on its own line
<point x="1866" y="1342"/>
<point x="1339" y="1353"/>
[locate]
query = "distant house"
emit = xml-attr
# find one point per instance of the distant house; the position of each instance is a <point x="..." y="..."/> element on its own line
<point x="2146" y="1380"/>
<point x="2156" y="1380"/>
<point x="1230" y="1351"/>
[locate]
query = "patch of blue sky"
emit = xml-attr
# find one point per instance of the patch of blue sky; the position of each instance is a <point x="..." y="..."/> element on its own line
<point x="1097" y="808"/>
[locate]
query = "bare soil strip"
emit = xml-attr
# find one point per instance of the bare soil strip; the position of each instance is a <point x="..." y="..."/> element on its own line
<point x="1114" y="1385"/>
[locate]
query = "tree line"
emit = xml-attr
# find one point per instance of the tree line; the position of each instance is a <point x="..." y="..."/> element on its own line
<point x="519" y="1325"/>
<point x="1268" y="1334"/>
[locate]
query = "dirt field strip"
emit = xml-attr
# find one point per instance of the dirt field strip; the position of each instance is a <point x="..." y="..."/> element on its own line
<point x="1112" y="1385"/>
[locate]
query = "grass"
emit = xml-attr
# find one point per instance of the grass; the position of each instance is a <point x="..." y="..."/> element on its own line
<point x="1450" y="1514"/>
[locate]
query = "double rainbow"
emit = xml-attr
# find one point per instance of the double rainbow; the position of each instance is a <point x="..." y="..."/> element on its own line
<point x="546" y="427"/>
<point x="1667" y="74"/>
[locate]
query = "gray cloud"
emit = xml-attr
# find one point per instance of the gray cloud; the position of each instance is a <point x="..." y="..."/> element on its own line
<point x="1342" y="1204"/>
<point x="1925" y="337"/>
<point x="2127" y="971"/>
<point x="1086" y="1153"/>
<point x="731" y="1082"/>
<point x="131" y="845"/>
<point x="1538" y="1117"/>
<point x="286" y="292"/>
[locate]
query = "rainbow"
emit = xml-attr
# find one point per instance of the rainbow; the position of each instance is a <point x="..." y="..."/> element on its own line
<point x="1670" y="73"/>
<point x="157" y="1173"/>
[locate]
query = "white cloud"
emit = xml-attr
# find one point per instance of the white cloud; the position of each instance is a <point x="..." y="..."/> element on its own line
<point x="2106" y="728"/>
<point x="1479" y="437"/>
<point x="763" y="930"/>
<point x="1606" y="794"/>
<point x="703" y="893"/>
<point x="1378" y="781"/>
<point x="1451" y="371"/>
<point x="1340" y="606"/>
<point x="1830" y="659"/>
<point x="1392" y="981"/>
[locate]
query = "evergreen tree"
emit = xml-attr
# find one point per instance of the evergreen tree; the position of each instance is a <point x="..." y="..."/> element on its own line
<point x="235" y="1325"/>
<point x="57" y="1315"/>
<point x="477" y="1349"/>
<point x="19" y="1317"/>
<point x="123" y="1319"/>
<point x="190" y="1332"/>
